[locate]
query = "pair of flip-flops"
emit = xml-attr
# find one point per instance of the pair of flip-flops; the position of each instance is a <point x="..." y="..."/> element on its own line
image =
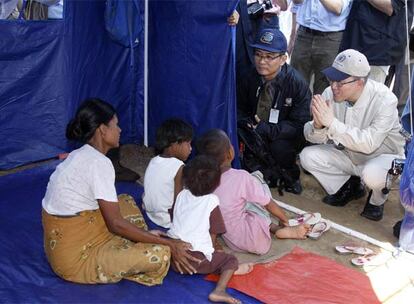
<point x="318" y="229"/>
<point x="349" y="249"/>
<point x="305" y="218"/>
<point x="318" y="225"/>
<point x="367" y="256"/>
<point x="368" y="260"/>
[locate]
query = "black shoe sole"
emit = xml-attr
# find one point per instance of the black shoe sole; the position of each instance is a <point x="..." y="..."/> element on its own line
<point x="372" y="218"/>
<point x="290" y="190"/>
<point x="343" y="203"/>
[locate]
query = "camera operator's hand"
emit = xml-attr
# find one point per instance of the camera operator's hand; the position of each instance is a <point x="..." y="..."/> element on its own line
<point x="262" y="131"/>
<point x="251" y="124"/>
<point x="274" y="10"/>
<point x="233" y="19"/>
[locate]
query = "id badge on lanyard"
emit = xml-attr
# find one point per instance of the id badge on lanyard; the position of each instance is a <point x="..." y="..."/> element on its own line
<point x="274" y="113"/>
<point x="274" y="116"/>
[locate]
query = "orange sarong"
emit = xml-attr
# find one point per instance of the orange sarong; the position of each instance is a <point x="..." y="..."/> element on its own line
<point x="81" y="249"/>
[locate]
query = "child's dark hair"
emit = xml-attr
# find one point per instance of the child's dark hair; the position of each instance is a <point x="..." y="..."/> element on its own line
<point x="90" y="115"/>
<point x="202" y="175"/>
<point x="214" y="143"/>
<point x="171" y="131"/>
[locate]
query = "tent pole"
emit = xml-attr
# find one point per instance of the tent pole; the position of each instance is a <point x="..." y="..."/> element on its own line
<point x="146" y="73"/>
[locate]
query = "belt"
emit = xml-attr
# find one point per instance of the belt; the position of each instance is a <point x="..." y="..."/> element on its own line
<point x="316" y="32"/>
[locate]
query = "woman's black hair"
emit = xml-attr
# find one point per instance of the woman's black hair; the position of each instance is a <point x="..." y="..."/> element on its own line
<point x="202" y="175"/>
<point x="214" y="143"/>
<point x="90" y="115"/>
<point x="171" y="131"/>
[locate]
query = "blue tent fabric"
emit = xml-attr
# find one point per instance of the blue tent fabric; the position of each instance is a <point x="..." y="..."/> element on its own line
<point x="26" y="277"/>
<point x="48" y="67"/>
<point x="191" y="65"/>
<point x="123" y="21"/>
<point x="406" y="122"/>
<point x="406" y="239"/>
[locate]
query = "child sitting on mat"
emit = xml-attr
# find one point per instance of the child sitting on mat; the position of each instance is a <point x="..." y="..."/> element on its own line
<point x="244" y="203"/>
<point x="197" y="220"/>
<point x="162" y="179"/>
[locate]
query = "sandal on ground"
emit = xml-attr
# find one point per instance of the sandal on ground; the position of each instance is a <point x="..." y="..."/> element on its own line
<point x="367" y="260"/>
<point x="318" y="229"/>
<point x="305" y="218"/>
<point x="347" y="249"/>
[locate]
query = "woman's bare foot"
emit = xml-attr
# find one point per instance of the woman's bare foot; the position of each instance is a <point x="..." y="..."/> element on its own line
<point x="222" y="296"/>
<point x="244" y="268"/>
<point x="296" y="232"/>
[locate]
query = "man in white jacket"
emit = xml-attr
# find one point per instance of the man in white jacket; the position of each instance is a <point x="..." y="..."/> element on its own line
<point x="355" y="122"/>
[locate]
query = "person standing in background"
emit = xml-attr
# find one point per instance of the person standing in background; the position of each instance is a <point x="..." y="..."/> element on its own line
<point x="377" y="28"/>
<point x="321" y="26"/>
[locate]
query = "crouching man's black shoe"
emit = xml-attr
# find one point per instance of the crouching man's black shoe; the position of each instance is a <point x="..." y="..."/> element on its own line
<point x="351" y="190"/>
<point x="372" y="212"/>
<point x="295" y="187"/>
<point x="396" y="229"/>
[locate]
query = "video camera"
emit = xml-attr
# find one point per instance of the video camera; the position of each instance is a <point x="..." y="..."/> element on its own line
<point x="397" y="167"/>
<point x="258" y="7"/>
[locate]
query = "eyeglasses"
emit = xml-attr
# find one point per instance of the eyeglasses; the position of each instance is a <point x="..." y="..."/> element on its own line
<point x="341" y="84"/>
<point x="266" y="57"/>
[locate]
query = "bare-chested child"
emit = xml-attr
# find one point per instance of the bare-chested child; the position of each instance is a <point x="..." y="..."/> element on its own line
<point x="197" y="220"/>
<point x="245" y="205"/>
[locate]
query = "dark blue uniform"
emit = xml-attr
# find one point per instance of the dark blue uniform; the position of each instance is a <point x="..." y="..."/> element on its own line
<point x="292" y="98"/>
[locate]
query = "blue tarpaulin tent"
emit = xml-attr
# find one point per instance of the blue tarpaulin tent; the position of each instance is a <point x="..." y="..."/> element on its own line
<point x="48" y="67"/>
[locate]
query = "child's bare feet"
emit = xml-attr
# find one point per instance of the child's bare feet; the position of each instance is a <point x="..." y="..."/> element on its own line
<point x="244" y="268"/>
<point x="222" y="296"/>
<point x="217" y="246"/>
<point x="296" y="232"/>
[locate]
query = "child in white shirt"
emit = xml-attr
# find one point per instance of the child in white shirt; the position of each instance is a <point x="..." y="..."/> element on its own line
<point x="197" y="220"/>
<point x="162" y="179"/>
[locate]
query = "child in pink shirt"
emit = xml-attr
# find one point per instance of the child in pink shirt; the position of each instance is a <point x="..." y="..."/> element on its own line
<point x="244" y="203"/>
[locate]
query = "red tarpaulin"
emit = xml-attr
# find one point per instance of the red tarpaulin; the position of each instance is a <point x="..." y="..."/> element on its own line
<point x="304" y="277"/>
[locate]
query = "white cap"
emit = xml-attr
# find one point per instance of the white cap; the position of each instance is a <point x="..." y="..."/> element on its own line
<point x="348" y="63"/>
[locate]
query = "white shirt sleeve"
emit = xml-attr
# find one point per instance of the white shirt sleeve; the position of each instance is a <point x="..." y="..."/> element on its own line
<point x="315" y="136"/>
<point x="103" y="180"/>
<point x="365" y="140"/>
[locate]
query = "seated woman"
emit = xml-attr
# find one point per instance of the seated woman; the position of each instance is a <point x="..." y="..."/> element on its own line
<point x="90" y="234"/>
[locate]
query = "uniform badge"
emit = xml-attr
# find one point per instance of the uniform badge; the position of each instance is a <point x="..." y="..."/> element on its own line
<point x="341" y="58"/>
<point x="288" y="102"/>
<point x="267" y="38"/>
